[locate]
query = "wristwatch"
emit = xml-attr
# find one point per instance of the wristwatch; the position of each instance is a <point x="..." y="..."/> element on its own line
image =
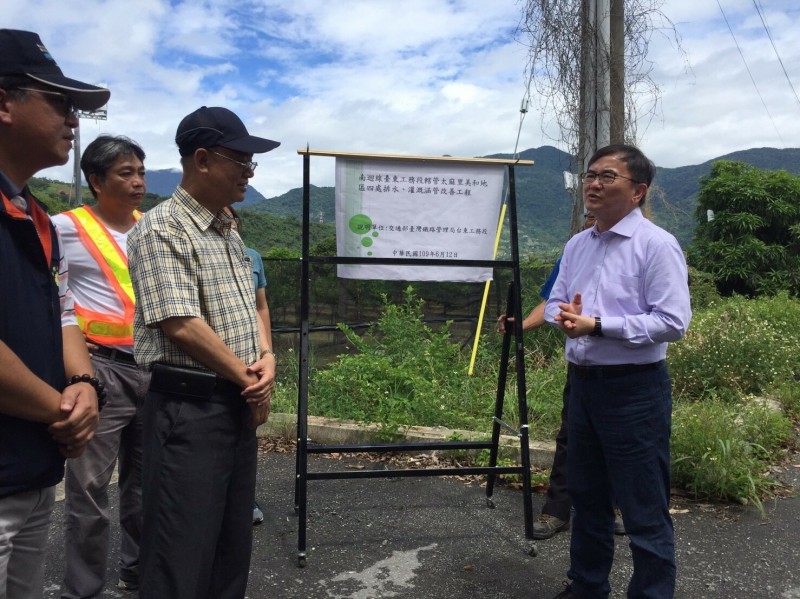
<point x="597" y="331"/>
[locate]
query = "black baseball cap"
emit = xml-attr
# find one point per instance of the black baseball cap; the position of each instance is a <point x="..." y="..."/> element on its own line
<point x="215" y="126"/>
<point x="22" y="53"/>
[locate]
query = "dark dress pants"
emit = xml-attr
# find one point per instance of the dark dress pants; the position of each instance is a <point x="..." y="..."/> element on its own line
<point x="558" y="503"/>
<point x="198" y="491"/>
<point x="618" y="447"/>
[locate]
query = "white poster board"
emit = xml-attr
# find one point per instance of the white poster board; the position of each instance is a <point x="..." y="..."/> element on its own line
<point x="417" y="209"/>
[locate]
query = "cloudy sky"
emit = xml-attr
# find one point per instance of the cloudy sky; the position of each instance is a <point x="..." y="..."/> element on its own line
<point x="412" y="77"/>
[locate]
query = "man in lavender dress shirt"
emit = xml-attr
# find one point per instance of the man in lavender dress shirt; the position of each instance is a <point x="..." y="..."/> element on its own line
<point x="621" y="296"/>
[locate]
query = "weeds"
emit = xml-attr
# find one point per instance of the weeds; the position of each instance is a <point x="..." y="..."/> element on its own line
<point x="738" y="346"/>
<point x="721" y="451"/>
<point x="403" y="372"/>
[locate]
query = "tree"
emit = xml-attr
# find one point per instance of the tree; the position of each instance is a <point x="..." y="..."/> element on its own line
<point x="750" y="241"/>
<point x="560" y="35"/>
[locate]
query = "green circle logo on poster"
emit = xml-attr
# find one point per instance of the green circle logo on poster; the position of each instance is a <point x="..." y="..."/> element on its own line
<point x="360" y="224"/>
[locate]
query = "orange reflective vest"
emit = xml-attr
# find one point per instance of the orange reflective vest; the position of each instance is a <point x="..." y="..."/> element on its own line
<point x="105" y="329"/>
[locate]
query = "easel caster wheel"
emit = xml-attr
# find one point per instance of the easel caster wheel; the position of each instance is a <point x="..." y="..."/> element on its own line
<point x="490" y="503"/>
<point x="532" y="551"/>
<point x="301" y="561"/>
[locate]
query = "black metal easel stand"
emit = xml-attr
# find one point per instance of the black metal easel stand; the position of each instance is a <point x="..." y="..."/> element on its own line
<point x="304" y="447"/>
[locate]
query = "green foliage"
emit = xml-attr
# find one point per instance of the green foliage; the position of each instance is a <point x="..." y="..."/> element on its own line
<point x="403" y="373"/>
<point x="53" y="194"/>
<point x="721" y="451"/>
<point x="752" y="245"/>
<point x="738" y="346"/>
<point x="282" y="253"/>
<point x="787" y="393"/>
<point x="324" y="247"/>
<point x="702" y="289"/>
<point x="266" y="232"/>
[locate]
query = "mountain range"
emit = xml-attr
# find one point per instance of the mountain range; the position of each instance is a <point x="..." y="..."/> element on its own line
<point x="543" y="205"/>
<point x="163" y="182"/>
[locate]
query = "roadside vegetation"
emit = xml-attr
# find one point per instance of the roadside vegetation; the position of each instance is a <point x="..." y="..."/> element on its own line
<point x="736" y="396"/>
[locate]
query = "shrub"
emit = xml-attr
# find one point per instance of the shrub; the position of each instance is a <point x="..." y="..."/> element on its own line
<point x="703" y="289"/>
<point x="737" y="346"/>
<point x="721" y="451"/>
<point x="404" y="373"/>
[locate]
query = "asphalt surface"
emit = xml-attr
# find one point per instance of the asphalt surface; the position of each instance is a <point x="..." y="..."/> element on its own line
<point x="435" y="538"/>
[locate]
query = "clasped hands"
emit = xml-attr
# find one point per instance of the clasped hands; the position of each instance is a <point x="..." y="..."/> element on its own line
<point x="259" y="395"/>
<point x="571" y="321"/>
<point x="80" y="417"/>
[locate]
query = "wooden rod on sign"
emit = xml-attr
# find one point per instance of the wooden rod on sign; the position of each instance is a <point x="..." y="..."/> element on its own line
<point x="364" y="156"/>
<point x="486" y="294"/>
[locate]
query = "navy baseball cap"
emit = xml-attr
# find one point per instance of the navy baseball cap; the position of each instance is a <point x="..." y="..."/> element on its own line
<point x="215" y="126"/>
<point x="22" y="53"/>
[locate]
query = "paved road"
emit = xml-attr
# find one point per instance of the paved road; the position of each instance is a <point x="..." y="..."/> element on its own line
<point x="434" y="538"/>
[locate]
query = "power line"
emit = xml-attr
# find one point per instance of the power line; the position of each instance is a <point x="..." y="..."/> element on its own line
<point x="760" y="12"/>
<point x="724" y="16"/>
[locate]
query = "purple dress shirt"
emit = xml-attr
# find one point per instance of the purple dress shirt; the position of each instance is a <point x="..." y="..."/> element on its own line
<point x="634" y="277"/>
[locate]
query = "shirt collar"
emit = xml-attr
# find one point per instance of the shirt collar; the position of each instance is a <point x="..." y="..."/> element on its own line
<point x="626" y="226"/>
<point x="201" y="215"/>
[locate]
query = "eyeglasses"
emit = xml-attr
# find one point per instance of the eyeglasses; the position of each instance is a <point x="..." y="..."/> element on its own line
<point x="246" y="166"/>
<point x="64" y="104"/>
<point x="606" y="177"/>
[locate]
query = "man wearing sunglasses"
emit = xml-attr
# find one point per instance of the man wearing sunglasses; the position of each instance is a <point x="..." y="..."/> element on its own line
<point x="48" y="392"/>
<point x="621" y="297"/>
<point x="213" y="370"/>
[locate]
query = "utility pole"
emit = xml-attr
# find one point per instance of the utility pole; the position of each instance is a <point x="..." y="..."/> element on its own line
<point x="101" y="114"/>
<point x="602" y="96"/>
<point x="617" y="71"/>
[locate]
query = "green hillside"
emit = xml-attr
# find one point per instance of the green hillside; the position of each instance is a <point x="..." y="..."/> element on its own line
<point x="261" y="230"/>
<point x="543" y="205"/>
<point x="291" y="204"/>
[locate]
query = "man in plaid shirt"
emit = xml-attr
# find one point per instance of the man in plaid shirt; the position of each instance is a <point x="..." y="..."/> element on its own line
<point x="196" y="329"/>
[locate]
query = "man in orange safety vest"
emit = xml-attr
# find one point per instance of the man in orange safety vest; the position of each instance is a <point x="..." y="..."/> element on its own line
<point x="95" y="242"/>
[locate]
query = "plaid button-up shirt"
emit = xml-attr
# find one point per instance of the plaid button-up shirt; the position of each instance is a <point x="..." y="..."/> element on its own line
<point x="184" y="262"/>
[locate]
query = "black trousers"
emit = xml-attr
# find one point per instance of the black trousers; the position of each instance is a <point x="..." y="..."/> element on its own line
<point x="558" y="502"/>
<point x="198" y="489"/>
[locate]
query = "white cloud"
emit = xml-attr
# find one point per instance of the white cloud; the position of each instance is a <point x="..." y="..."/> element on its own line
<point x="417" y="77"/>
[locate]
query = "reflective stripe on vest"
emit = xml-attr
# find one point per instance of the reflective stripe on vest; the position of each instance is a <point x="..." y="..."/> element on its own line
<point x="105" y="329"/>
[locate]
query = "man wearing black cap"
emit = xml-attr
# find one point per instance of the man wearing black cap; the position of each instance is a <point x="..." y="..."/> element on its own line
<point x="48" y="394"/>
<point x="196" y="328"/>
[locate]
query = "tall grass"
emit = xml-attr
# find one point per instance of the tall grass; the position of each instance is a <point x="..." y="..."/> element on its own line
<point x="402" y="372"/>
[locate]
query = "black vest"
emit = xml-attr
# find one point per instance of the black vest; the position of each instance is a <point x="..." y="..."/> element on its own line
<point x="30" y="325"/>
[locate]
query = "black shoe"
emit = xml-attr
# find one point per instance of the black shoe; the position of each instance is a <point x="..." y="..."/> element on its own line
<point x="258" y="515"/>
<point x="619" y="525"/>
<point x="566" y="593"/>
<point x="547" y="526"/>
